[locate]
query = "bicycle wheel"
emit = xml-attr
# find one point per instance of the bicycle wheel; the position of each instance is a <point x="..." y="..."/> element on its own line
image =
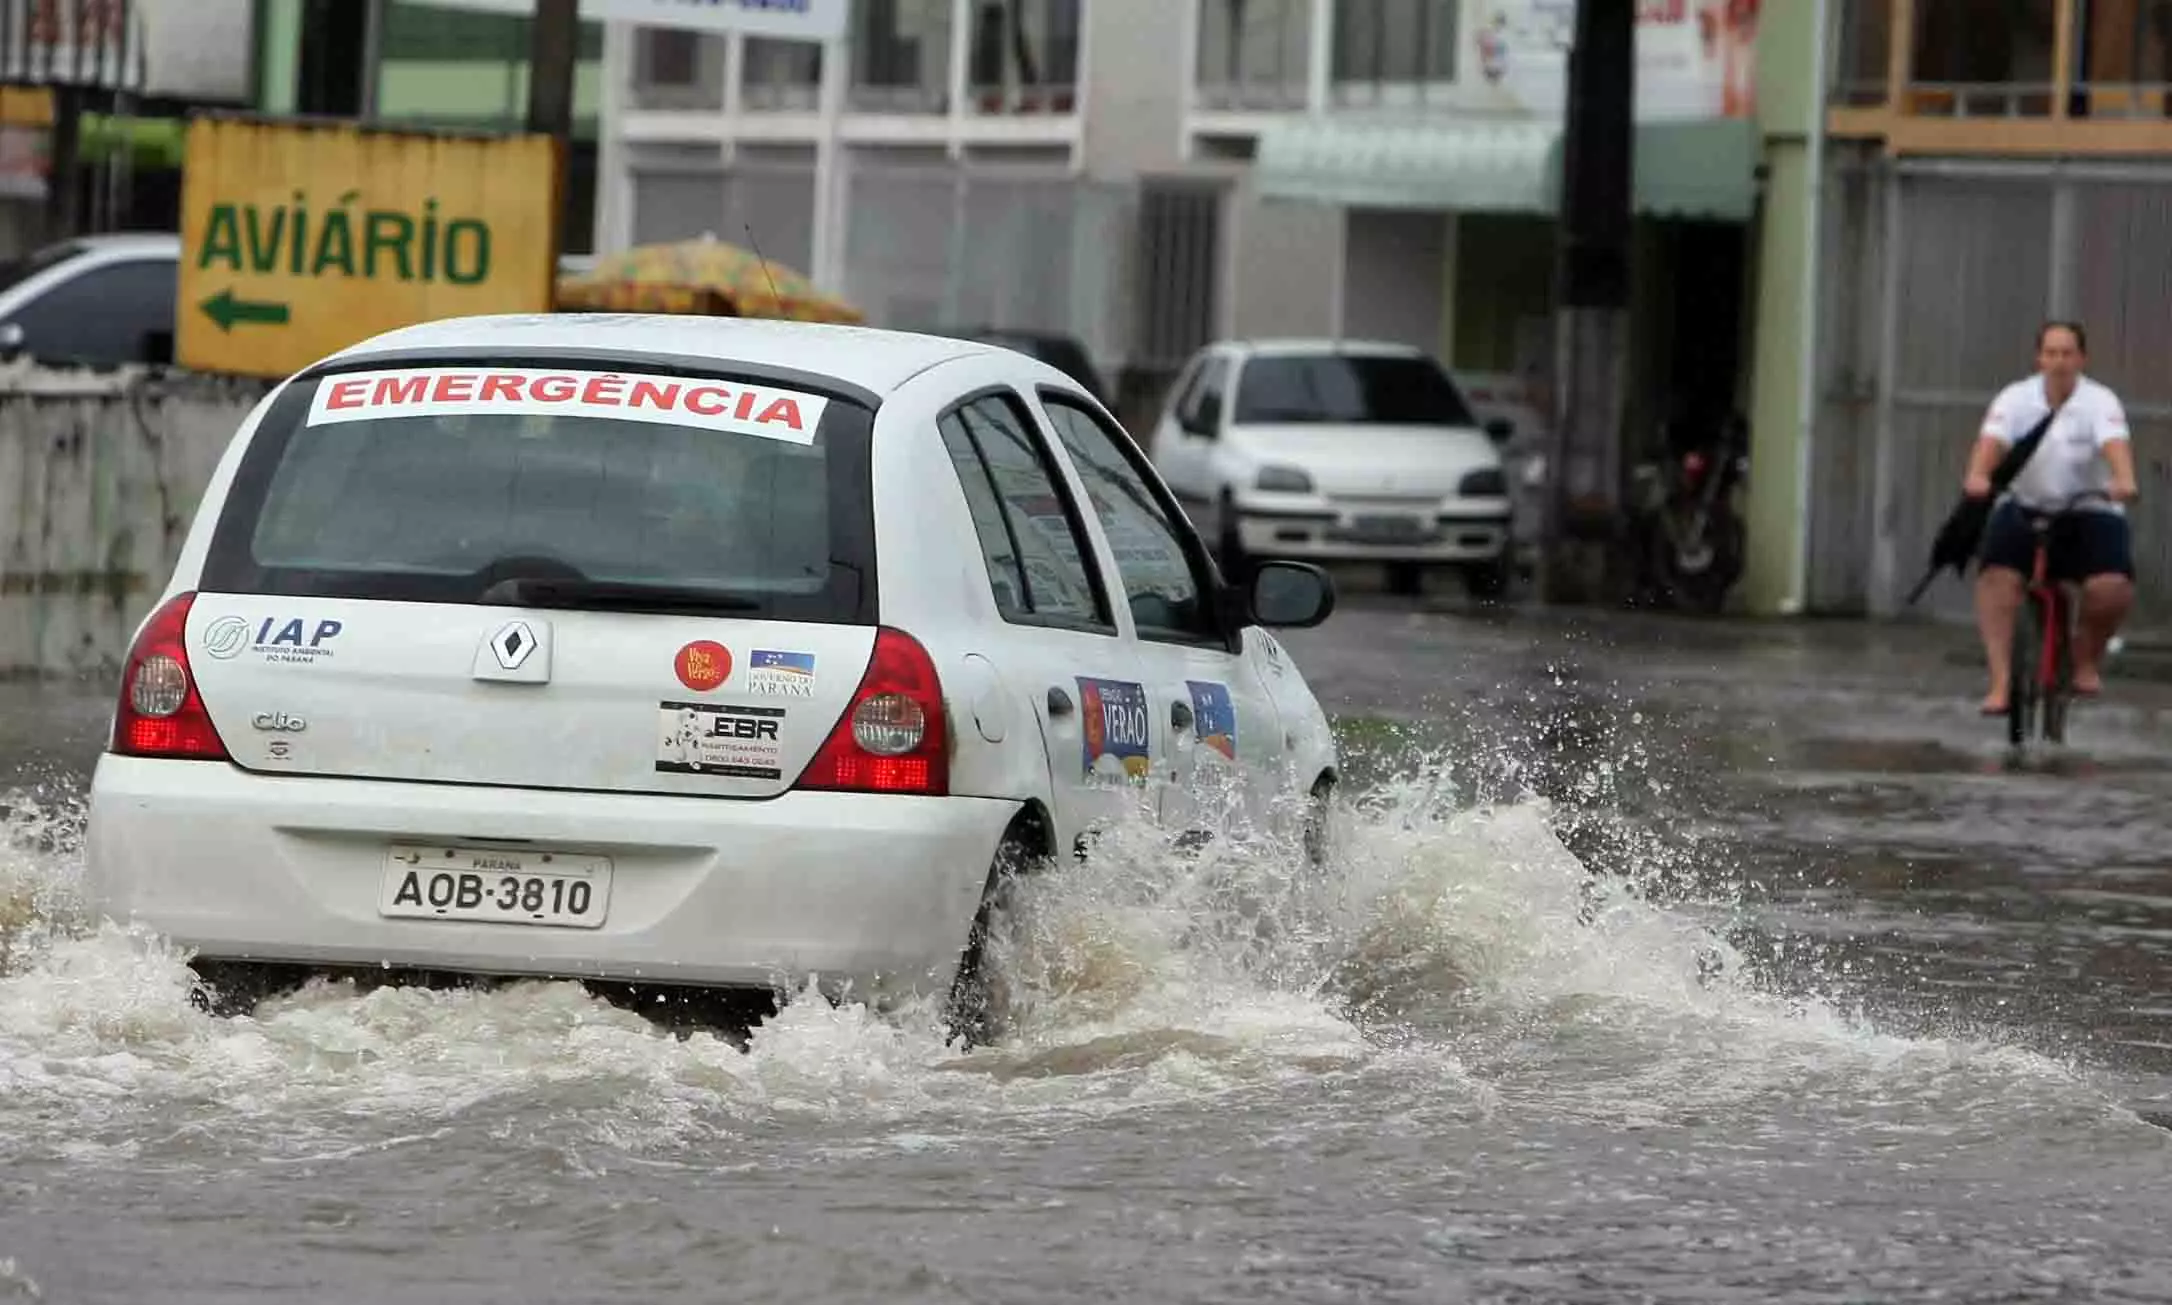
<point x="2021" y="673"/>
<point x="2059" y="694"/>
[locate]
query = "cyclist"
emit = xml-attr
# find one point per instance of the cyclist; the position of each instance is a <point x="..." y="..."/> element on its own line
<point x="2084" y="452"/>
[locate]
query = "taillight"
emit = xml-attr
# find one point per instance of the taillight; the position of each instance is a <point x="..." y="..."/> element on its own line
<point x="161" y="713"/>
<point x="892" y="737"/>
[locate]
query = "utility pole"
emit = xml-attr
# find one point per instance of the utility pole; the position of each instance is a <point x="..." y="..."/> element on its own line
<point x="1581" y="545"/>
<point x="373" y="55"/>
<point x="553" y="51"/>
<point x="64" y="167"/>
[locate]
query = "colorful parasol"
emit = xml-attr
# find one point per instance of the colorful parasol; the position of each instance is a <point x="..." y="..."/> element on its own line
<point x="705" y="276"/>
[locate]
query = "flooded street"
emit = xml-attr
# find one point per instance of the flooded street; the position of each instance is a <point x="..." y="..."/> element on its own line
<point x="1660" y="960"/>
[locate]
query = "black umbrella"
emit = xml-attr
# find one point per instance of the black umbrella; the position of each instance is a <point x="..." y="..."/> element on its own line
<point x="1958" y="539"/>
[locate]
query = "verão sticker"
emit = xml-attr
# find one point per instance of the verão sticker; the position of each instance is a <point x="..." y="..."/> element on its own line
<point x="704" y="402"/>
<point x="1117" y="744"/>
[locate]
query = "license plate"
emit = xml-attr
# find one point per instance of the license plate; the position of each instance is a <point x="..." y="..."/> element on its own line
<point x="493" y="886"/>
<point x="1388" y="530"/>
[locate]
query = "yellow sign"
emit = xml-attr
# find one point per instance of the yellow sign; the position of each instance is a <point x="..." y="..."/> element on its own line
<point x="299" y="239"/>
<point x="26" y="106"/>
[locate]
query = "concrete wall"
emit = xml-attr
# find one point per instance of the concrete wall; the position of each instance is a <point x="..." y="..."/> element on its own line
<point x="99" y="480"/>
<point x="1136" y="89"/>
<point x="1285" y="266"/>
<point x="1393" y="283"/>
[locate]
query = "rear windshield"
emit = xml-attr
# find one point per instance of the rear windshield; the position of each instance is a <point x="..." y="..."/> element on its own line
<point x="434" y="483"/>
<point x="1379" y="389"/>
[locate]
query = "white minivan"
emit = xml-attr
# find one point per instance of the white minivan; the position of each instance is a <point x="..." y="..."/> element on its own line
<point x="678" y="651"/>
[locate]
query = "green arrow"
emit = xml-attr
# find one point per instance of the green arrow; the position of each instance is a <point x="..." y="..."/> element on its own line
<point x="226" y="310"/>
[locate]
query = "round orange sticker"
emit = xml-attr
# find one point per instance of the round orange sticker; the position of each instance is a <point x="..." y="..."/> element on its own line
<point x="703" y="665"/>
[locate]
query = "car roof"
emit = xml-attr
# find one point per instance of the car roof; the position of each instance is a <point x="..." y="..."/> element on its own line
<point x="129" y="242"/>
<point x="874" y="360"/>
<point x="1302" y="345"/>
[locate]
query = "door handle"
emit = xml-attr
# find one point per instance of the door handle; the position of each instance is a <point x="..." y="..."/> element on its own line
<point x="1059" y="703"/>
<point x="1180" y="715"/>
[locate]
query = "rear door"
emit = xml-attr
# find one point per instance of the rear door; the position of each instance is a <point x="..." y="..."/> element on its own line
<point x="1059" y="647"/>
<point x="1222" y="740"/>
<point x="553" y="577"/>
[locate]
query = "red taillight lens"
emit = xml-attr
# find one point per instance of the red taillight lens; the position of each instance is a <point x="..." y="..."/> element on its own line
<point x="161" y="713"/>
<point x="892" y="737"/>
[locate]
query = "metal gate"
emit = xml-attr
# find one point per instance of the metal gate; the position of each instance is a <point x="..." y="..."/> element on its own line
<point x="1940" y="272"/>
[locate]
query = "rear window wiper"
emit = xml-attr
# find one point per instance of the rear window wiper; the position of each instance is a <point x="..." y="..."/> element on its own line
<point x="611" y="596"/>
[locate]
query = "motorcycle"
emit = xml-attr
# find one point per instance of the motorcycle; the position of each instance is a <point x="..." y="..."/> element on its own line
<point x="1686" y="524"/>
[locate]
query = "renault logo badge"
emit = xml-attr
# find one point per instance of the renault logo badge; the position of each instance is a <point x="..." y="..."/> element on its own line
<point x="513" y="644"/>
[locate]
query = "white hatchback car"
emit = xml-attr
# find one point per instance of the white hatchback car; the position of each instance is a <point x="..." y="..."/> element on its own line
<point x="675" y="651"/>
<point x="1347" y="451"/>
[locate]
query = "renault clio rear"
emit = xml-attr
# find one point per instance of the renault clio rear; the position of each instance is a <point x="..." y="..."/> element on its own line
<point x="566" y="647"/>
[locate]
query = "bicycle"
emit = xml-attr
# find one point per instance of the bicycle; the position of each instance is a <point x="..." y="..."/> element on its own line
<point x="2040" y="681"/>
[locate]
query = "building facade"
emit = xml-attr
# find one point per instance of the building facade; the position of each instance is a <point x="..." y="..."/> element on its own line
<point x="1147" y="175"/>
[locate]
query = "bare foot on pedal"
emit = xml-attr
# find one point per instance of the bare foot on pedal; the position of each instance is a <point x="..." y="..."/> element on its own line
<point x="2088" y="682"/>
<point x="1994" y="703"/>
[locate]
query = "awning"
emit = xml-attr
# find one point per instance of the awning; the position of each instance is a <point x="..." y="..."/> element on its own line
<point x="1700" y="169"/>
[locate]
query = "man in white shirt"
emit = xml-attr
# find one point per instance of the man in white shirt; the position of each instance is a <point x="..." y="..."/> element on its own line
<point x="2085" y="453"/>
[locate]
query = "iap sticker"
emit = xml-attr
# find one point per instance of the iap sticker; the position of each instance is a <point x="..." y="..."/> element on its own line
<point x="293" y="639"/>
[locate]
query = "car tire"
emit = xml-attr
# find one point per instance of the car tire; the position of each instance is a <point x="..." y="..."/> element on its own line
<point x="1318" y="828"/>
<point x="1406" y="579"/>
<point x="1487" y="581"/>
<point x="979" y="1011"/>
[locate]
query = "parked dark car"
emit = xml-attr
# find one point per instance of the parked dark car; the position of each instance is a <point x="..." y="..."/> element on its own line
<point x="1061" y="352"/>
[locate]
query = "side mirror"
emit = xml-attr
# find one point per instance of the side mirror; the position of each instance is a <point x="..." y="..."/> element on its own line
<point x="1291" y="595"/>
<point x="1501" y="430"/>
<point x="12" y="341"/>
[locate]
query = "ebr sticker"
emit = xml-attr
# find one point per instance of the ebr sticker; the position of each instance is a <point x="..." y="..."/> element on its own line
<point x="1116" y="720"/>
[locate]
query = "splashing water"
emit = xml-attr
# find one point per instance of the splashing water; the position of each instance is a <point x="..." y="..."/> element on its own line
<point x="1463" y="945"/>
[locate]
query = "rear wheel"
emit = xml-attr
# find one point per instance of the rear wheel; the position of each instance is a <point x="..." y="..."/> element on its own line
<point x="980" y="998"/>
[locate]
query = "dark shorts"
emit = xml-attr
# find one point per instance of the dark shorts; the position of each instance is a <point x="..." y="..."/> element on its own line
<point x="2082" y="544"/>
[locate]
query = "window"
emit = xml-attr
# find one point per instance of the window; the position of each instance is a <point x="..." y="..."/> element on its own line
<point x="1367" y="389"/>
<point x="1212" y="383"/>
<point x="1162" y="583"/>
<point x="103" y="317"/>
<point x="669" y="57"/>
<point x="1029" y="537"/>
<point x="427" y="34"/>
<point x="439" y="508"/>
<point x="1024" y="43"/>
<point x="1395" y="40"/>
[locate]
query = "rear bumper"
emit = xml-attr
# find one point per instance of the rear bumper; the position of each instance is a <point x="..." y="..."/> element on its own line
<point x="873" y="891"/>
<point x="1337" y="536"/>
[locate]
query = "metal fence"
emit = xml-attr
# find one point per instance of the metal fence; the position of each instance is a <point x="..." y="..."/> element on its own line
<point x="1937" y="274"/>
